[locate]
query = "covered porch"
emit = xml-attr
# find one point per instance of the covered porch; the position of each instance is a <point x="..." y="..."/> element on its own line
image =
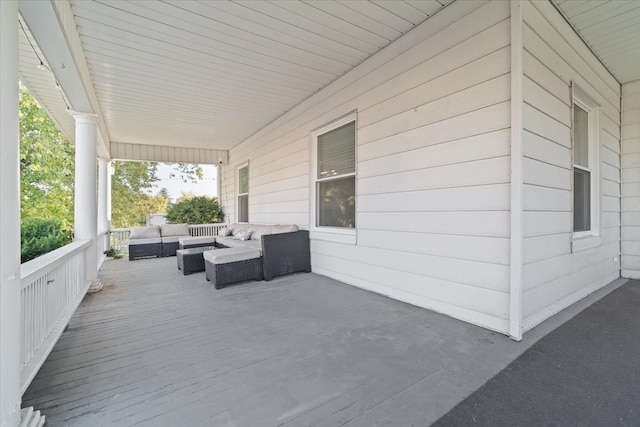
<point x="464" y="180"/>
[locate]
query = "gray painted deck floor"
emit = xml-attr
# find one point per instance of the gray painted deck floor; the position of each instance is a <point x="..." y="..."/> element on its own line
<point x="156" y="348"/>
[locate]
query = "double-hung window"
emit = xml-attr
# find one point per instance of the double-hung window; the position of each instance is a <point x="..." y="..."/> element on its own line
<point x="335" y="175"/>
<point x="586" y="170"/>
<point x="243" y="193"/>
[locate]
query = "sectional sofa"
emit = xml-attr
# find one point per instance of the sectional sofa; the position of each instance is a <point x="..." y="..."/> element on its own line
<point x="284" y="248"/>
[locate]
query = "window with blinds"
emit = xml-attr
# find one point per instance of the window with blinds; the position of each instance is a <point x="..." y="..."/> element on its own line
<point x="336" y="177"/>
<point x="581" y="171"/>
<point x="243" y="194"/>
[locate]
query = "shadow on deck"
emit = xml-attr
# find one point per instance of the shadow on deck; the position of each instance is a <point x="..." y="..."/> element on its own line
<point x="158" y="348"/>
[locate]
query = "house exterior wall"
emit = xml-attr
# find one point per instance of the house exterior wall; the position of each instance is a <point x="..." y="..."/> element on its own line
<point x="433" y="167"/>
<point x="631" y="180"/>
<point x="555" y="272"/>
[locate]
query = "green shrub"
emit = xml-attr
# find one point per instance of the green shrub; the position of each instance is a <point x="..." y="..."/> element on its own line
<point x="196" y="210"/>
<point x="39" y="236"/>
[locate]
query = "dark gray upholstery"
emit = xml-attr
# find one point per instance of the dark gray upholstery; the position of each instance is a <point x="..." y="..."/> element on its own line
<point x="285" y="253"/>
<point x="223" y="274"/>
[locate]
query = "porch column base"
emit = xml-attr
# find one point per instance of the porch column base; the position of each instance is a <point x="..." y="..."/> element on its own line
<point x="31" y="418"/>
<point x="95" y="286"/>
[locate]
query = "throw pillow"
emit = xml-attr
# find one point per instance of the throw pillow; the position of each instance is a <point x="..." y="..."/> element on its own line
<point x="224" y="232"/>
<point x="243" y="235"/>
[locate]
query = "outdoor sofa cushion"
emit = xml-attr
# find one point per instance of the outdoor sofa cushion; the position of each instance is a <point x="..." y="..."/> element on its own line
<point x="228" y="255"/>
<point x="170" y="230"/>
<point x="288" y="228"/>
<point x="260" y="230"/>
<point x="152" y="232"/>
<point x="230" y="242"/>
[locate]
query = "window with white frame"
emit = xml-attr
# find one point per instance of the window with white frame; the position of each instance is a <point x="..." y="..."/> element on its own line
<point x="586" y="175"/>
<point x="335" y="177"/>
<point x="243" y="194"/>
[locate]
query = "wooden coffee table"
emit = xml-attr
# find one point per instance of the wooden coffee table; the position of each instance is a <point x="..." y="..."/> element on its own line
<point x="191" y="260"/>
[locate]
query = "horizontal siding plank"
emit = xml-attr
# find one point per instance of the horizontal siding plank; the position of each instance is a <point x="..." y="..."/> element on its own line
<point x="482" y="172"/>
<point x="545" y="126"/>
<point x="480" y="274"/>
<point x="477" y="147"/>
<point x="546" y="175"/>
<point x="536" y="198"/>
<point x="546" y="223"/>
<point x="540" y="73"/>
<point x="471" y="248"/>
<point x="478" y="198"/>
<point x="538" y="97"/>
<point x="489" y="119"/>
<point x="473" y="298"/>
<point x="470" y="223"/>
<point x="537" y="148"/>
<point x="491" y="92"/>
<point x="538" y="248"/>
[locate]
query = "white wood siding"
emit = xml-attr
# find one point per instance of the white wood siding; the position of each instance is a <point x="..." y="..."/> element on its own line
<point x="631" y="180"/>
<point x="433" y="167"/>
<point x="554" y="277"/>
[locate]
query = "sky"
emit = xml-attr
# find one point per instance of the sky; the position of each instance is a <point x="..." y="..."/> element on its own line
<point x="206" y="187"/>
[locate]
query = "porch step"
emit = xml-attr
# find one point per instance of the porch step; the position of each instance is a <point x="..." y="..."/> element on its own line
<point x="31" y="418"/>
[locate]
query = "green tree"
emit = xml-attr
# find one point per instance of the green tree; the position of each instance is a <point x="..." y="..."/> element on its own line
<point x="46" y="165"/>
<point x="39" y="236"/>
<point x="131" y="185"/>
<point x="165" y="193"/>
<point x="129" y="202"/>
<point x="195" y="210"/>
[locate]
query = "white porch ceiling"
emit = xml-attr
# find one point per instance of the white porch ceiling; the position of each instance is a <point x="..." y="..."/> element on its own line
<point x="612" y="31"/>
<point x="210" y="74"/>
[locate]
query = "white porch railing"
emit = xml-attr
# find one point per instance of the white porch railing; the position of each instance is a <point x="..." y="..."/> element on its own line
<point x="198" y="230"/>
<point x="53" y="286"/>
<point x="120" y="236"/>
<point x="120" y="239"/>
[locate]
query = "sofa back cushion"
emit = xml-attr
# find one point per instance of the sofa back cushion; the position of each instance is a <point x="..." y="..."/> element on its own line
<point x="287" y="228"/>
<point x="169" y="230"/>
<point x="152" y="232"/>
<point x="259" y="231"/>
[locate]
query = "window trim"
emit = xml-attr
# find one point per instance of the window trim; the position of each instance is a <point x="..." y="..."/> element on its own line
<point x="238" y="194"/>
<point x="339" y="234"/>
<point x="589" y="238"/>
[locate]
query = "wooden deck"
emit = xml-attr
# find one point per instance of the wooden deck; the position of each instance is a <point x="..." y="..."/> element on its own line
<point x="158" y="348"/>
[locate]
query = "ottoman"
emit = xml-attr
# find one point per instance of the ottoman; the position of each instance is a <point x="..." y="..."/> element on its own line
<point x="230" y="265"/>
<point x="191" y="260"/>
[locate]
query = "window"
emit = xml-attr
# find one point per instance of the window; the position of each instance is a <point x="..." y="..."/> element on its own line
<point x="335" y="175"/>
<point x="243" y="194"/>
<point x="581" y="171"/>
<point x="586" y="170"/>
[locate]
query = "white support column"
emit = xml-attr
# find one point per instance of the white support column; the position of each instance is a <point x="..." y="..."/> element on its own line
<point x="109" y="178"/>
<point x="104" y="187"/>
<point x="10" y="327"/>
<point x="86" y="206"/>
